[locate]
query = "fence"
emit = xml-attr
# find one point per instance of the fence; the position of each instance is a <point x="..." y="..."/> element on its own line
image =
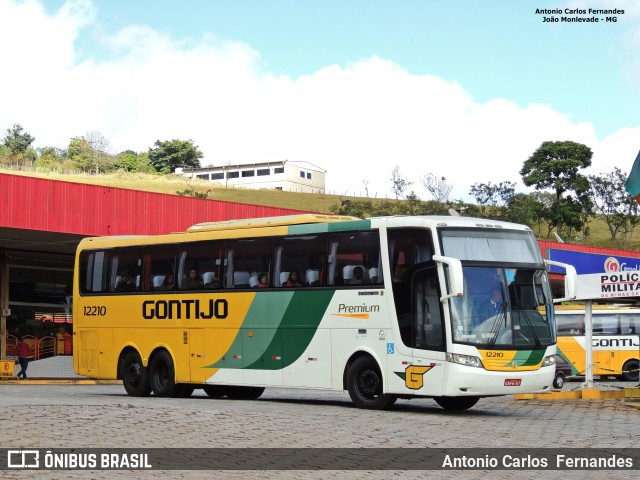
<point x="40" y="348"/>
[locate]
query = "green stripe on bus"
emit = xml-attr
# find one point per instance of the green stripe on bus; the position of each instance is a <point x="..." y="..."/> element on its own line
<point x="262" y="323"/>
<point x="278" y="328"/>
<point x="329" y="227"/>
<point x="346" y="226"/>
<point x="574" y="369"/>
<point x="527" y="358"/>
<point x="298" y="326"/>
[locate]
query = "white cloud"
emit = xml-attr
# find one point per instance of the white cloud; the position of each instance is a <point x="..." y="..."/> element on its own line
<point x="358" y="121"/>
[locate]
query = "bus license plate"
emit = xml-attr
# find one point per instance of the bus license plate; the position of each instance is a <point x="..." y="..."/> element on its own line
<point x="512" y="382"/>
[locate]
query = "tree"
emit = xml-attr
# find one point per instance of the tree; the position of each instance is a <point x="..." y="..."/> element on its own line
<point x="399" y="184"/>
<point x="523" y="208"/>
<point x="619" y="209"/>
<point x="89" y="153"/>
<point x="556" y="165"/>
<point x="365" y="182"/>
<point x="494" y="195"/>
<point x="49" y="159"/>
<point x="79" y="152"/>
<point x="169" y="155"/>
<point x="17" y="141"/>
<point x="437" y="187"/>
<point x="134" y="162"/>
<point x="102" y="160"/>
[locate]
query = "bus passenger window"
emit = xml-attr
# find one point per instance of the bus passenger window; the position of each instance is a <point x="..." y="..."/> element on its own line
<point x="300" y="260"/>
<point x="210" y="281"/>
<point x="200" y="265"/>
<point x="192" y="281"/>
<point x="353" y="257"/>
<point x="246" y="258"/>
<point x="159" y="267"/>
<point x="125" y="269"/>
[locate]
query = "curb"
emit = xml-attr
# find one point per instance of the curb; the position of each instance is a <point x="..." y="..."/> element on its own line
<point x="587" y="394"/>
<point x="60" y="381"/>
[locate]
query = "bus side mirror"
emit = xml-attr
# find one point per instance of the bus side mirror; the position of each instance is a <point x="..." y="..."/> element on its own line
<point x="456" y="279"/>
<point x="570" y="281"/>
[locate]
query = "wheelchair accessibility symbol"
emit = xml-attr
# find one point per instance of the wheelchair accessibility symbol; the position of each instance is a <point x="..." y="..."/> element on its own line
<point x="390" y="349"/>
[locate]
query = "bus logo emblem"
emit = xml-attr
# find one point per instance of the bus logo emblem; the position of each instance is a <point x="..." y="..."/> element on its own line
<point x="514" y="364"/>
<point x="414" y="376"/>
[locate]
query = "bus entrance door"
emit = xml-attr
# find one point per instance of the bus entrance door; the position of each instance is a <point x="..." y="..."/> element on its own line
<point x="427" y="337"/>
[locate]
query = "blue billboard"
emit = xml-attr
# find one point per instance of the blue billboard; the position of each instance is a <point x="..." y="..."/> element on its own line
<point x="601" y="276"/>
<point x="588" y="263"/>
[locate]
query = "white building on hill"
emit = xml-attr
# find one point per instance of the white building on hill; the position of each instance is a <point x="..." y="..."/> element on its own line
<point x="286" y="175"/>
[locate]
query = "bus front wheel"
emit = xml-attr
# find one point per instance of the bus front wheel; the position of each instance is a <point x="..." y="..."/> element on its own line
<point x="364" y="383"/>
<point x="630" y="371"/>
<point x="456" y="403"/>
<point x="134" y="375"/>
<point x="162" y="375"/>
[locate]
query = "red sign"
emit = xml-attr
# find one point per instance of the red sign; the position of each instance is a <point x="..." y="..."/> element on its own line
<point x="512" y="382"/>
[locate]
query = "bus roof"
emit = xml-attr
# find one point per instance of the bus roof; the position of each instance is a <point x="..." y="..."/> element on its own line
<point x="269" y="222"/>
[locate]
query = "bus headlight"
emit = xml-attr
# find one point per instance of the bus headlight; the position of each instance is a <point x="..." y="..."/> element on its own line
<point x="468" y="360"/>
<point x="548" y="361"/>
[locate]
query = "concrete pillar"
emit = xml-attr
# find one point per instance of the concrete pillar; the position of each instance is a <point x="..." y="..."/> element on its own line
<point x="4" y="304"/>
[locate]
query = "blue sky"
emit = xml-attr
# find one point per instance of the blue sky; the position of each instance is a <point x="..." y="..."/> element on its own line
<point x="442" y="87"/>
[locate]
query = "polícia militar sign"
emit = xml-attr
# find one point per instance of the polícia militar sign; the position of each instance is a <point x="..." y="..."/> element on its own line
<point x="601" y="276"/>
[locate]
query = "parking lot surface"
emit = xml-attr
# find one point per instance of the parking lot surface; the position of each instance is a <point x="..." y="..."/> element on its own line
<point x="103" y="416"/>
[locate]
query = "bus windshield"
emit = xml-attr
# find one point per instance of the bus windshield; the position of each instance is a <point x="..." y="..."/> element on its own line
<point x="504" y="307"/>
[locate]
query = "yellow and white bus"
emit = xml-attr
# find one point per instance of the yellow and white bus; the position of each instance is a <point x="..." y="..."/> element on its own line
<point x="615" y="340"/>
<point x="385" y="307"/>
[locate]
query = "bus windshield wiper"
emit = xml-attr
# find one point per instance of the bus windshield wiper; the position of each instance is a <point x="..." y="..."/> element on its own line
<point x="523" y="313"/>
<point x="497" y="323"/>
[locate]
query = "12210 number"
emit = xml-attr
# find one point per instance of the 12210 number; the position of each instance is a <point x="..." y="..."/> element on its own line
<point x="94" y="311"/>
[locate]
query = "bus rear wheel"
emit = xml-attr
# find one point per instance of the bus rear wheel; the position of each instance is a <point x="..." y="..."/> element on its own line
<point x="364" y="383"/>
<point x="456" y="403"/>
<point x="162" y="375"/>
<point x="134" y="375"/>
<point x="630" y="371"/>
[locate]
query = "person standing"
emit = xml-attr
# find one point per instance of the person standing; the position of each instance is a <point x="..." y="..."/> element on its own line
<point x="23" y="352"/>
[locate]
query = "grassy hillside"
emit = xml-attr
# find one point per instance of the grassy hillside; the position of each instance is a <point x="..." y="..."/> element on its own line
<point x="323" y="203"/>
<point x="170" y="184"/>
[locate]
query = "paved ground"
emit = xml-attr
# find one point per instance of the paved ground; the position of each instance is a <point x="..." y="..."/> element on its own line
<point x="103" y="416"/>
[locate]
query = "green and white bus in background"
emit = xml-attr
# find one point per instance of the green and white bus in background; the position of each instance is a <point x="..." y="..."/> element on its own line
<point x="384" y="308"/>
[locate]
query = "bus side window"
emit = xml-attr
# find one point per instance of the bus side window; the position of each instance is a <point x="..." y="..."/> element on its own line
<point x="125" y="269"/>
<point x="203" y="257"/>
<point x="246" y="258"/>
<point x="351" y="251"/>
<point x="571" y="324"/>
<point x="159" y="267"/>
<point x="606" y="325"/>
<point x="629" y="323"/>
<point x="93" y="271"/>
<point x="303" y="254"/>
